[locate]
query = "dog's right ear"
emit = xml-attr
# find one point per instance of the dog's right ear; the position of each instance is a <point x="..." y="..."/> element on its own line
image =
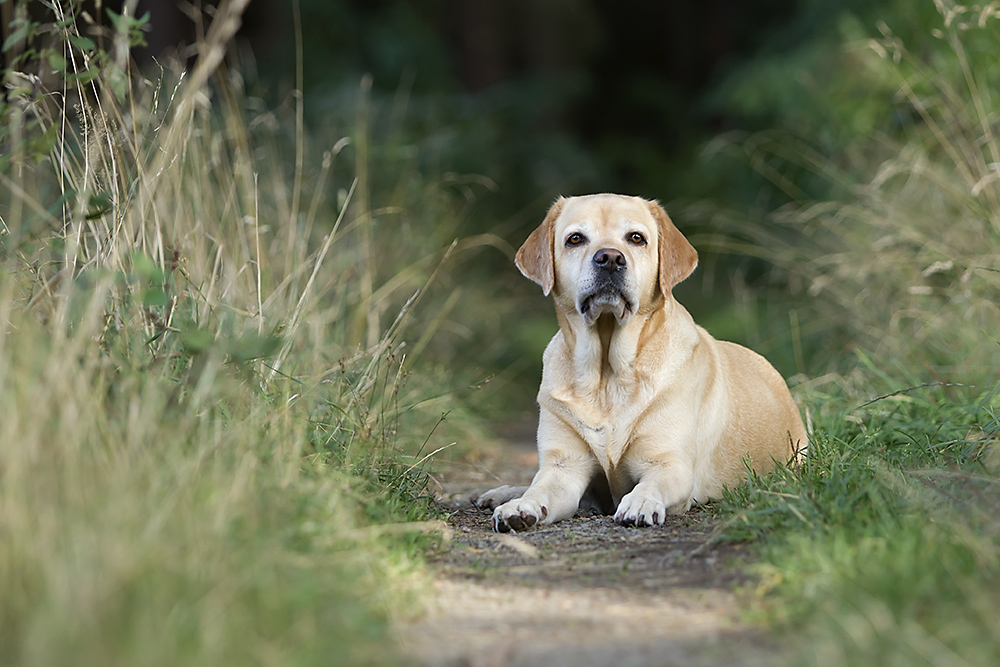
<point x="535" y="258"/>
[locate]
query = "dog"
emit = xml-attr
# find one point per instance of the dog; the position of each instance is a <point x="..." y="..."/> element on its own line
<point x="639" y="407"/>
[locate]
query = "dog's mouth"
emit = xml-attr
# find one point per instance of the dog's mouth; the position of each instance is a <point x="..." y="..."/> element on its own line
<point x="608" y="300"/>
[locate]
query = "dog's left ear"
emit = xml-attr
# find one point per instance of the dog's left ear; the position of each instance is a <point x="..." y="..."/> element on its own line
<point x="678" y="258"/>
<point x="535" y="258"/>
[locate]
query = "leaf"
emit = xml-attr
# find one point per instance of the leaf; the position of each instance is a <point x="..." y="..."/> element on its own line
<point x="251" y="346"/>
<point x="40" y="146"/>
<point x="116" y="19"/>
<point x="154" y="296"/>
<point x="195" y="341"/>
<point x="117" y="81"/>
<point x="82" y="43"/>
<point x="16" y="37"/>
<point x="86" y="76"/>
<point x="57" y="62"/>
<point x="99" y="204"/>
<point x="144" y="268"/>
<point x="129" y="26"/>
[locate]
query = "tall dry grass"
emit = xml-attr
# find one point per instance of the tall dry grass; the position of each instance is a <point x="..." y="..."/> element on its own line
<point x="201" y="376"/>
<point x="904" y="263"/>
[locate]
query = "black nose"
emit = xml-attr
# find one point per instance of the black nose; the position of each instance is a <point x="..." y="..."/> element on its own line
<point x="609" y="259"/>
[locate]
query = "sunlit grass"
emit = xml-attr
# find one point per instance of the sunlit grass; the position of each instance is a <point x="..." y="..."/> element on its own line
<point x="204" y="381"/>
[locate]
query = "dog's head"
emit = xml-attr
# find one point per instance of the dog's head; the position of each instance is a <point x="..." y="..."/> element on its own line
<point x="606" y="254"/>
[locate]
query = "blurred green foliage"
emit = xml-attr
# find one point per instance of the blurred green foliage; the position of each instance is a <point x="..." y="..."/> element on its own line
<point x="543" y="98"/>
<point x="725" y="111"/>
<point x="559" y="97"/>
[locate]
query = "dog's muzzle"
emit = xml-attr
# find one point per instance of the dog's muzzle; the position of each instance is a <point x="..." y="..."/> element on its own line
<point x="604" y="289"/>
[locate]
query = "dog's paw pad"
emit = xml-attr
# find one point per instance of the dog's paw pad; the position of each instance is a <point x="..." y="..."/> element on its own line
<point x="521" y="521"/>
<point x="518" y="515"/>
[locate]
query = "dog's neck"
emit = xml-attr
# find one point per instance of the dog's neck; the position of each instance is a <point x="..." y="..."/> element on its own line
<point x="617" y="371"/>
<point x="604" y="354"/>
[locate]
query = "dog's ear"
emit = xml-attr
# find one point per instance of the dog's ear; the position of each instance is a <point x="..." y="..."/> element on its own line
<point x="678" y="258"/>
<point x="535" y="258"/>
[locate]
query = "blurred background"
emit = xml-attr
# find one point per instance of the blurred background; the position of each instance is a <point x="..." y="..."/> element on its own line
<point x="556" y="96"/>
<point x="725" y="111"/>
<point x="771" y="130"/>
<point x="508" y="105"/>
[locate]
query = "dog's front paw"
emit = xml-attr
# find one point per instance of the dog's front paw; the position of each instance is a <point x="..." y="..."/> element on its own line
<point x="496" y="497"/>
<point x="518" y="515"/>
<point x="641" y="508"/>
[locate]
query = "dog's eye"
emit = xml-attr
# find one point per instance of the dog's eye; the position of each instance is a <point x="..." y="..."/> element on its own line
<point x="636" y="238"/>
<point x="574" y="239"/>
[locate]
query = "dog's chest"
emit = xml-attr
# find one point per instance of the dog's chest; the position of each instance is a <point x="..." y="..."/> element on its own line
<point x="607" y="423"/>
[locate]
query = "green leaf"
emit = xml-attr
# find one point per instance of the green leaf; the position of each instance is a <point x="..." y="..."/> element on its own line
<point x="99" y="205"/>
<point x="251" y="346"/>
<point x="86" y="76"/>
<point x="41" y="146"/>
<point x="144" y="268"/>
<point x="118" y="82"/>
<point x="196" y="340"/>
<point x="116" y="19"/>
<point x="121" y="22"/>
<point x="57" y="62"/>
<point x="82" y="43"/>
<point x="154" y="296"/>
<point x="17" y="37"/>
<point x="129" y="26"/>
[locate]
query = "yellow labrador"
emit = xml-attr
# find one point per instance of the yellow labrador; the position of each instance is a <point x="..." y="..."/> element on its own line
<point x="639" y="406"/>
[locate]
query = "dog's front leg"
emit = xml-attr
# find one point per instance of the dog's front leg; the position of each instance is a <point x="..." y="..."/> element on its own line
<point x="565" y="468"/>
<point x="666" y="486"/>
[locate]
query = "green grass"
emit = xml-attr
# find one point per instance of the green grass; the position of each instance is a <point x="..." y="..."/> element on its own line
<point x="884" y="546"/>
<point x="212" y="443"/>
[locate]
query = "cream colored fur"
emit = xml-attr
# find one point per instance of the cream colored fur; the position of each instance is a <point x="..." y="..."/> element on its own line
<point x="633" y="391"/>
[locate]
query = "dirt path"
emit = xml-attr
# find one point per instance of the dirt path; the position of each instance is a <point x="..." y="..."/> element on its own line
<point x="584" y="592"/>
